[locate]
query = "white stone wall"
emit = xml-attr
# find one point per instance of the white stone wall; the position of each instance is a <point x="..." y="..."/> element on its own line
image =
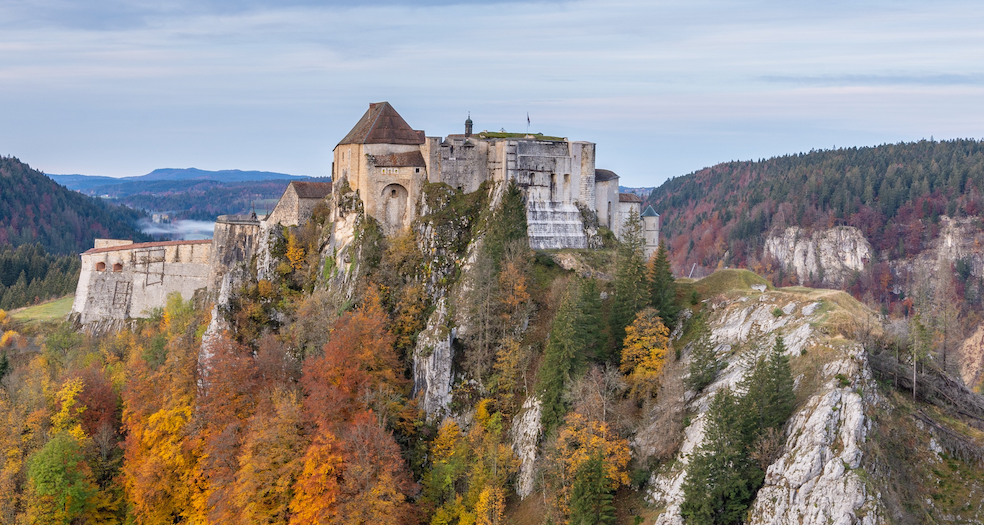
<point x="132" y="280"/>
<point x="606" y="203"/>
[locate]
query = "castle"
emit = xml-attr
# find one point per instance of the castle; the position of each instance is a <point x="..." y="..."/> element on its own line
<point x="385" y="163"/>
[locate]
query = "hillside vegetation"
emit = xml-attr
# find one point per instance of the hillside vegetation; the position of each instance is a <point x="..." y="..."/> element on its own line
<point x="449" y="375"/>
<point x="35" y="209"/>
<point x="895" y="194"/>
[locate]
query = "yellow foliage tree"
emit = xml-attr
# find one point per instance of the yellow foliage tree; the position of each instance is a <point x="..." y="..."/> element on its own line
<point x="316" y="490"/>
<point x="295" y="252"/>
<point x="490" y="507"/>
<point x="7" y="337"/>
<point x="67" y="417"/>
<point x="644" y="352"/>
<point x="577" y="442"/>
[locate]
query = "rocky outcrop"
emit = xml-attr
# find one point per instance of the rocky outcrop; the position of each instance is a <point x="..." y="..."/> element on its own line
<point x="432" y="359"/>
<point x="829" y="256"/>
<point x="525" y="435"/>
<point x="816" y="479"/>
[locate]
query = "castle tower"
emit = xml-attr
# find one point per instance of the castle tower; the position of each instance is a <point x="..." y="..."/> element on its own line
<point x="468" y="125"/>
<point x="650" y="230"/>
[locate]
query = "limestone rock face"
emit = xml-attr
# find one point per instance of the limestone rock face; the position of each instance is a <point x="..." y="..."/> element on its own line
<point x="525" y="433"/>
<point x="813" y="481"/>
<point x="831" y="255"/>
<point x="816" y="480"/>
<point x="432" y="360"/>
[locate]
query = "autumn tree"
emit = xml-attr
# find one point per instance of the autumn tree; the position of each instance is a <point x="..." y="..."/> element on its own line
<point x="270" y="462"/>
<point x="359" y="369"/>
<point x="158" y="406"/>
<point x="569" y="457"/>
<point x="644" y="352"/>
<point x="468" y="478"/>
<point x="315" y="492"/>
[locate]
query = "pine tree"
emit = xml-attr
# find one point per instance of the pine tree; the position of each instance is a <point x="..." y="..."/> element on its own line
<point x="769" y="396"/>
<point x="591" y="497"/>
<point x="723" y="476"/>
<point x="719" y="483"/>
<point x="662" y="287"/>
<point x="590" y="327"/>
<point x="563" y="358"/>
<point x="631" y="286"/>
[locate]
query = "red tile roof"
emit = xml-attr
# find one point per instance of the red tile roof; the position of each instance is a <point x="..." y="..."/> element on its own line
<point x="311" y="190"/>
<point x="142" y="245"/>
<point x="381" y="124"/>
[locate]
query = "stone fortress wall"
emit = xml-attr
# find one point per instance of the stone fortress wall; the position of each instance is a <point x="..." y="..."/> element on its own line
<point x="122" y="280"/>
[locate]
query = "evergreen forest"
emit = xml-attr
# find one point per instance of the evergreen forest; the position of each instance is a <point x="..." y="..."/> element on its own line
<point x="894" y="193"/>
<point x="36" y="210"/>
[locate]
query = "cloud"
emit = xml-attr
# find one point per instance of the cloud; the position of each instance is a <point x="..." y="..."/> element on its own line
<point x="124" y="87"/>
<point x="179" y="230"/>
<point x="952" y="79"/>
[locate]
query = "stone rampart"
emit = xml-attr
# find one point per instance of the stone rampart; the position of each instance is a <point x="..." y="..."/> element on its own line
<point x="130" y="280"/>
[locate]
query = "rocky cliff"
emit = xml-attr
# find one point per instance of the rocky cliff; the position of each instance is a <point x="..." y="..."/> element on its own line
<point x="833" y="466"/>
<point x="830" y="256"/>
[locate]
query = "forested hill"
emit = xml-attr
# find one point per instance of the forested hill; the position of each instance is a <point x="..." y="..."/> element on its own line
<point x="895" y="194"/>
<point x="35" y="209"/>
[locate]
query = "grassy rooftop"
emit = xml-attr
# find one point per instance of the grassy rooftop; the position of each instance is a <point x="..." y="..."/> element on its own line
<point x="508" y="135"/>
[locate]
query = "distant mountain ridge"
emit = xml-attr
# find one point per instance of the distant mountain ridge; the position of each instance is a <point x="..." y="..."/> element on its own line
<point x="85" y="182"/>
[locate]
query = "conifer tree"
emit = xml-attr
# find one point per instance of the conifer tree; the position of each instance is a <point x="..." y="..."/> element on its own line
<point x="723" y="476"/>
<point x="590" y="326"/>
<point x="631" y="286"/>
<point x="591" y="497"/>
<point x="704" y="365"/>
<point x="769" y="397"/>
<point x="719" y="483"/>
<point x="563" y="358"/>
<point x="662" y="287"/>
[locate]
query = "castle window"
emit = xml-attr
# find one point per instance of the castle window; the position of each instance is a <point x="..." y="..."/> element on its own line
<point x="118" y="267"/>
<point x="393" y="193"/>
<point x="100" y="267"/>
<point x="416" y="170"/>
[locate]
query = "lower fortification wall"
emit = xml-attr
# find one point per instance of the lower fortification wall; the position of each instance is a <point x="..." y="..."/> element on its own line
<point x="130" y="281"/>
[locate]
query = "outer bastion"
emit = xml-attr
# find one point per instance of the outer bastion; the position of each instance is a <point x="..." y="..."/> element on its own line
<point x="122" y="280"/>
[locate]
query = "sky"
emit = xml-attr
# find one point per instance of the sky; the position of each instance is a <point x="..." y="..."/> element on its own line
<point x="664" y="88"/>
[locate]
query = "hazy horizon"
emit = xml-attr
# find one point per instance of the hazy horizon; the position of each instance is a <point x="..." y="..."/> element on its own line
<point x="664" y="89"/>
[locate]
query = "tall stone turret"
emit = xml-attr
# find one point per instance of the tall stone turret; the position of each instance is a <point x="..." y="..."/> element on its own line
<point x="650" y="230"/>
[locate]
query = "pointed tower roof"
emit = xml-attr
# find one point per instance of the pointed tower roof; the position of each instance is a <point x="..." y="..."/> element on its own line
<point x="382" y="125"/>
<point x="650" y="212"/>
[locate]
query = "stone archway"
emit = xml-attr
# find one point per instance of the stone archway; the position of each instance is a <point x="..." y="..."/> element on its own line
<point x="393" y="203"/>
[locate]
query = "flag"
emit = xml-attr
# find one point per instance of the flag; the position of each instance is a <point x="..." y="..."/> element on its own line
<point x="527" y="118"/>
